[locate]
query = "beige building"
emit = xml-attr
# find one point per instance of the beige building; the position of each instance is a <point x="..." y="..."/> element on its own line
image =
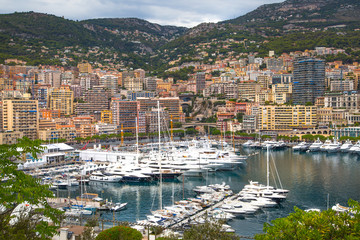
<point x="62" y="99"/>
<point x="281" y="98"/>
<point x="10" y="137"/>
<point x="106" y="116"/>
<point x="170" y="104"/>
<point x="68" y="133"/>
<point x="248" y="89"/>
<point x="133" y="84"/>
<point x="264" y="96"/>
<point x="283" y="117"/>
<point x="84" y="68"/>
<point x="21" y="115"/>
<point x="281" y="88"/>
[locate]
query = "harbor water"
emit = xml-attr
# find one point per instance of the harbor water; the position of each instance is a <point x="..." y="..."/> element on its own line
<point x="312" y="179"/>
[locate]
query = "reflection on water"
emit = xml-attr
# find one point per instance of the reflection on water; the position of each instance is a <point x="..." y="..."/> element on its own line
<point x="308" y="176"/>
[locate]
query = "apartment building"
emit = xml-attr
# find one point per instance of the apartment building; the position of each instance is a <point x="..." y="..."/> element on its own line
<point x="105" y="128"/>
<point x="49" y="114"/>
<point x="126" y="114"/>
<point x="10" y="137"/>
<point x="88" y="81"/>
<point x="169" y="104"/>
<point x="106" y="116"/>
<point x="110" y="82"/>
<point x="133" y="84"/>
<point x="21" y="115"/>
<point x="250" y="123"/>
<point x="84" y="67"/>
<point x="59" y="132"/>
<point x="342" y="85"/>
<point x="346" y="100"/>
<point x="280" y="118"/>
<point x="152" y="124"/>
<point x="248" y="89"/>
<point x="62" y="99"/>
<point x="96" y="100"/>
<point x="281" y="88"/>
<point x="150" y="83"/>
<point x="308" y="80"/>
<point x="266" y="95"/>
<point x="200" y="81"/>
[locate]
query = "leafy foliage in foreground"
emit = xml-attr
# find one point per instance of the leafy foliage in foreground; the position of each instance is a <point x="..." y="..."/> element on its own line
<point x="119" y="233"/>
<point x="210" y="230"/>
<point x="315" y="225"/>
<point x="24" y="213"/>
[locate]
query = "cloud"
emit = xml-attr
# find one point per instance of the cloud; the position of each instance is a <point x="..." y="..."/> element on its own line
<point x="166" y="12"/>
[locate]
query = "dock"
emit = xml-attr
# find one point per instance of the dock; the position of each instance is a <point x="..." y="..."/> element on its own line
<point x="202" y="212"/>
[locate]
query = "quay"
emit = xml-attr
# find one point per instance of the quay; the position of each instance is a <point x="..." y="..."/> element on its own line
<point x="202" y="212"/>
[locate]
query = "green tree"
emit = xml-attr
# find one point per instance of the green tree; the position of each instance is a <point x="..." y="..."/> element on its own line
<point x="120" y="233"/>
<point x="191" y="131"/>
<point x="294" y="138"/>
<point x="210" y="230"/>
<point x="156" y="230"/>
<point x="239" y="117"/>
<point x="315" y="225"/>
<point x="26" y="213"/>
<point x="88" y="233"/>
<point x="307" y="137"/>
<point x="264" y="137"/>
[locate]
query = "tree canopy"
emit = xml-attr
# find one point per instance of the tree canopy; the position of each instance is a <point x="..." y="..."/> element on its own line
<point x="315" y="225"/>
<point x="25" y="212"/>
<point x="120" y="233"/>
<point x="210" y="230"/>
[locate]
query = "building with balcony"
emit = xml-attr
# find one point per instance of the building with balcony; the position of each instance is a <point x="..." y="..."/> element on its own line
<point x="126" y="113"/>
<point x="283" y="117"/>
<point x="21" y="115"/>
<point x="62" y="99"/>
<point x="308" y="80"/>
<point x="106" y="116"/>
<point x="342" y="100"/>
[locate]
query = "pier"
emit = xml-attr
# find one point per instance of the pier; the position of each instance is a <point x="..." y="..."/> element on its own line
<point x="202" y="212"/>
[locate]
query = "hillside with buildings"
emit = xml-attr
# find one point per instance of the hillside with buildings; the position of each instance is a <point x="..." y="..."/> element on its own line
<point x="129" y="42"/>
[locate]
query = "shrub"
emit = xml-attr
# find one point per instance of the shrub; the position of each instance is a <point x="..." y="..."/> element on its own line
<point x="120" y="233"/>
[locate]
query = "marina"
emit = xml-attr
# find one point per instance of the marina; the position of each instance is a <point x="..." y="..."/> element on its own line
<point x="309" y="177"/>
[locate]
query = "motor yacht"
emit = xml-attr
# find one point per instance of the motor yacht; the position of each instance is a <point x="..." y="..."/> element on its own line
<point x="346" y="146"/>
<point x="315" y="146"/>
<point x="333" y="147"/>
<point x="325" y="146"/>
<point x="355" y="148"/>
<point x="300" y="146"/>
<point x="104" y="177"/>
<point x="118" y="207"/>
<point x="248" y="143"/>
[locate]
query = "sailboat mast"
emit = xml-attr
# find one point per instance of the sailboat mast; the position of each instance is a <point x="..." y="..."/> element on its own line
<point x="137" y="140"/>
<point x="160" y="189"/>
<point x="267" y="166"/>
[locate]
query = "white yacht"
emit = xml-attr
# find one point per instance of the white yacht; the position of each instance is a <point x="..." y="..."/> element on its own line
<point x="118" y="207"/>
<point x="346" y="146"/>
<point x="270" y="144"/>
<point x="100" y="177"/>
<point x="300" y="146"/>
<point x="255" y="145"/>
<point x="333" y="147"/>
<point x="315" y="146"/>
<point x="325" y="146"/>
<point x="355" y="148"/>
<point x="248" y="143"/>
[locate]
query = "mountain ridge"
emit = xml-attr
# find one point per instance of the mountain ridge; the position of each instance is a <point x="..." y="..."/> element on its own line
<point x="140" y="43"/>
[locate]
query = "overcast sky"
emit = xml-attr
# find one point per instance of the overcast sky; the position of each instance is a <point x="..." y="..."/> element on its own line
<point x="186" y="13"/>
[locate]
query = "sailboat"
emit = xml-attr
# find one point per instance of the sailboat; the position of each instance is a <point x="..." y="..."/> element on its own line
<point x="267" y="191"/>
